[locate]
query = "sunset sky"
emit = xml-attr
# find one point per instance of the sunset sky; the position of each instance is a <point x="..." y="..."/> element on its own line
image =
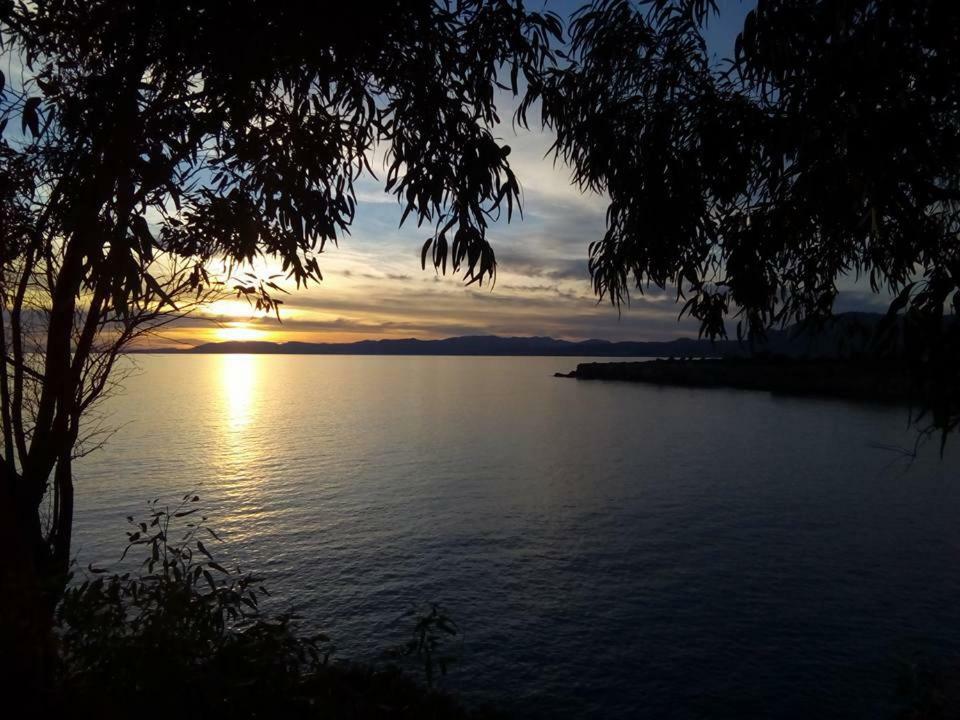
<point x="374" y="287"/>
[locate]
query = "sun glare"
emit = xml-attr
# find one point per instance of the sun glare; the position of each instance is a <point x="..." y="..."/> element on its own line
<point x="239" y="333"/>
<point x="227" y="309"/>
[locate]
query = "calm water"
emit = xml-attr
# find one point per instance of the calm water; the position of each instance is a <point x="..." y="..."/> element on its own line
<point x="610" y="550"/>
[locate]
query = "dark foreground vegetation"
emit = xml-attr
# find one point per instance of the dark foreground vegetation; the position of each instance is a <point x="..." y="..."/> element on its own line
<point x="178" y="634"/>
<point x="145" y="144"/>
<point x="184" y="636"/>
<point x="871" y="380"/>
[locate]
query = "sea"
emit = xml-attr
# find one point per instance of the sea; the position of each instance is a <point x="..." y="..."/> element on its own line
<point x="606" y="549"/>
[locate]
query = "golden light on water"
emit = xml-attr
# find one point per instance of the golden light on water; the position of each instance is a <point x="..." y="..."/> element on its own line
<point x="241" y="447"/>
<point x="238" y="382"/>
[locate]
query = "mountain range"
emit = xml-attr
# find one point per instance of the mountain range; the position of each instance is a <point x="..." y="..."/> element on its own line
<point x="842" y="335"/>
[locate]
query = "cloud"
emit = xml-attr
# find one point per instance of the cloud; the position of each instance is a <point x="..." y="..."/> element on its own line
<point x="533" y="266"/>
<point x="518" y="309"/>
<point x="373" y="276"/>
<point x="374" y="286"/>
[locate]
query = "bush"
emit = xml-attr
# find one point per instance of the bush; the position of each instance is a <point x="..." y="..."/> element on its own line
<point x="184" y="636"/>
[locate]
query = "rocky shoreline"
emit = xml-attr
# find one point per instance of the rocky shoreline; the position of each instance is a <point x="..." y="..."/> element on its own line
<point x="849" y="379"/>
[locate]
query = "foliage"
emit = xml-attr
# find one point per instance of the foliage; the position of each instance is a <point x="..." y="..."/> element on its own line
<point x="151" y="149"/>
<point x="186" y="635"/>
<point x="745" y="184"/>
<point x="432" y="632"/>
<point x="827" y="147"/>
<point x="184" y="620"/>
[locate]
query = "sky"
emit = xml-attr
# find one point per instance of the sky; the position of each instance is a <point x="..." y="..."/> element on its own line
<point x="374" y="287"/>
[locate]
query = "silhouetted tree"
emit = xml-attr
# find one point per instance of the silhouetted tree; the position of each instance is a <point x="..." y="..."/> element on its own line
<point x="829" y="146"/>
<point x="143" y="141"/>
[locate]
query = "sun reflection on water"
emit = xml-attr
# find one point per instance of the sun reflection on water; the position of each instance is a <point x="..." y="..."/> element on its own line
<point x="240" y="450"/>
<point x="238" y="383"/>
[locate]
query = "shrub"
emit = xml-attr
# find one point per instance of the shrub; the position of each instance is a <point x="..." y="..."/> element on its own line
<point x="184" y="636"/>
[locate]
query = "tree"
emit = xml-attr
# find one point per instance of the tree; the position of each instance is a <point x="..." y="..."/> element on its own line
<point x="144" y="142"/>
<point x="829" y="146"/>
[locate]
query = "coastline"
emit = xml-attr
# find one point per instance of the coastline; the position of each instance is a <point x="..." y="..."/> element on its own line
<point x="845" y="379"/>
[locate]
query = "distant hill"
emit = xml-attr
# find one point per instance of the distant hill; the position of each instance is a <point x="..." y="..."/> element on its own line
<point x="843" y="335"/>
<point x="474" y="345"/>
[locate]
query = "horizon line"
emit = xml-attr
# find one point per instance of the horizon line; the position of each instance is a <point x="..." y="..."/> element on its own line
<point x="277" y="347"/>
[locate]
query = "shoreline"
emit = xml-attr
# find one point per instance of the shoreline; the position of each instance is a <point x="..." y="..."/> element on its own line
<point x="870" y="381"/>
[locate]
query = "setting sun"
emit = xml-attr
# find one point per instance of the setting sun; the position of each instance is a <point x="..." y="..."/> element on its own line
<point x="239" y="333"/>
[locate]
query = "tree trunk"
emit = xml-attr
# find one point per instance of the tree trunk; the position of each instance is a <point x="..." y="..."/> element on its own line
<point x="34" y="575"/>
<point x="62" y="531"/>
<point x="26" y="641"/>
